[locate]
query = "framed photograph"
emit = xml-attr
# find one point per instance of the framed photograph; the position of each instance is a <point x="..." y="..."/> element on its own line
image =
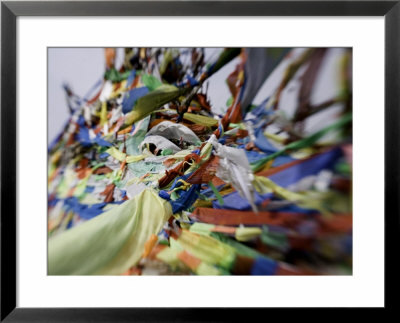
<point x="197" y="160"/>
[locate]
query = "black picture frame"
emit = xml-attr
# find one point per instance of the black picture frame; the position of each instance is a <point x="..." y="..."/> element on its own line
<point x="10" y="10"/>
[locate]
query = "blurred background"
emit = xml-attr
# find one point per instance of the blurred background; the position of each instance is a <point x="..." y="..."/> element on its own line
<point x="82" y="68"/>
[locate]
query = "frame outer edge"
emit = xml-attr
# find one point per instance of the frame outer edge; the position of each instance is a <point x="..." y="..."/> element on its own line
<point x="203" y="8"/>
<point x="10" y="10"/>
<point x="392" y="151"/>
<point x="8" y="158"/>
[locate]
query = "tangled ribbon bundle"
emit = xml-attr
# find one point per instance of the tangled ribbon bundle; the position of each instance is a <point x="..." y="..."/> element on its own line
<point x="150" y="176"/>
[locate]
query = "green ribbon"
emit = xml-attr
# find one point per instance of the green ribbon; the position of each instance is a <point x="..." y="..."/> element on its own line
<point x="305" y="142"/>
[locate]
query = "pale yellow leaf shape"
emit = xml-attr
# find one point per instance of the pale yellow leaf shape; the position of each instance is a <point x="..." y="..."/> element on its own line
<point x="110" y="243"/>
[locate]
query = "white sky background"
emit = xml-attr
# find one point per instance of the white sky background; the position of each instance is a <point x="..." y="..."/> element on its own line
<point x="81" y="68"/>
